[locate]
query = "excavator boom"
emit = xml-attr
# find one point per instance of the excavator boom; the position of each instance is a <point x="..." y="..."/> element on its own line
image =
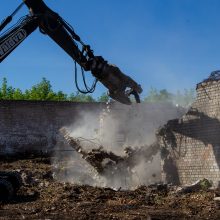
<point x="120" y="86"/>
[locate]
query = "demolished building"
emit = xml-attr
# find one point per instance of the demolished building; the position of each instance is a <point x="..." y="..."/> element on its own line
<point x="122" y="152"/>
<point x="190" y="145"/>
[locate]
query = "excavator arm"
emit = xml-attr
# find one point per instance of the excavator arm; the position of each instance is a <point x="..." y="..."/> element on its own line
<point x="120" y="86"/>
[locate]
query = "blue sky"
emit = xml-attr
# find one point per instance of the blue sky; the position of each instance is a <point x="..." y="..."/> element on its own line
<point x="171" y="44"/>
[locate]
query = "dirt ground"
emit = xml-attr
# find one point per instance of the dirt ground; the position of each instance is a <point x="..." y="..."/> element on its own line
<point x="42" y="197"/>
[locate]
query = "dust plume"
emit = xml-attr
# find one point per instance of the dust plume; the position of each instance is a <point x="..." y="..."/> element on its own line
<point x="126" y="133"/>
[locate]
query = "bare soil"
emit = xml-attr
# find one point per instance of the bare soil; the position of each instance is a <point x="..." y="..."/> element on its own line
<point x="42" y="197"/>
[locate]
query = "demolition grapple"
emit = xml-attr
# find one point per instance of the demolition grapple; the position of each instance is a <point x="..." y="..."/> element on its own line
<point x="119" y="85"/>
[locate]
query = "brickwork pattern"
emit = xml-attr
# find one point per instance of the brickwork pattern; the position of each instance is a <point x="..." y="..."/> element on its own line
<point x="32" y="126"/>
<point x="193" y="141"/>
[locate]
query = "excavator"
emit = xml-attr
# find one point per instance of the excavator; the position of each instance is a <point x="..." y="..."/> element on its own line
<point x="119" y="85"/>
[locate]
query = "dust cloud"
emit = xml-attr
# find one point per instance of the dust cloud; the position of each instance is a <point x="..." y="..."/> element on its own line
<point x="115" y="129"/>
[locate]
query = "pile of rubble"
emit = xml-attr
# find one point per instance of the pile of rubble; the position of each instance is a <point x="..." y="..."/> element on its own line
<point x="42" y="197"/>
<point x="108" y="162"/>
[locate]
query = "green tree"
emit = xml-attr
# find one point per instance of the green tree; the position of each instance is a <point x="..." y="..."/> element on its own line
<point x="103" y="98"/>
<point x="18" y="95"/>
<point x="41" y="91"/>
<point x="183" y="99"/>
<point x="4" y="88"/>
<point x="158" y="96"/>
<point x="83" y="98"/>
<point x="44" y="91"/>
<point x="60" y="96"/>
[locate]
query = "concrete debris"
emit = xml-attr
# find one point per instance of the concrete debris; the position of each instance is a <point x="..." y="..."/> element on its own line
<point x="217" y="202"/>
<point x="58" y="200"/>
<point x="203" y="184"/>
<point x="103" y="160"/>
<point x="214" y="76"/>
<point x="160" y="187"/>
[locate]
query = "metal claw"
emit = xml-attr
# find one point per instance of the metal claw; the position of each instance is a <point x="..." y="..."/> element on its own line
<point x="120" y="86"/>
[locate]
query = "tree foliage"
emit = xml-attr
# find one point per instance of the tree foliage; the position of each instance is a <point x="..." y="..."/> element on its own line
<point x="43" y="91"/>
<point x="103" y="98"/>
<point x="158" y="96"/>
<point x="184" y="98"/>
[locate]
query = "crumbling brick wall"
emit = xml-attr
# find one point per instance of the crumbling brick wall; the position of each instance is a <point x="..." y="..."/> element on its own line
<point x="32" y="126"/>
<point x="191" y="145"/>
